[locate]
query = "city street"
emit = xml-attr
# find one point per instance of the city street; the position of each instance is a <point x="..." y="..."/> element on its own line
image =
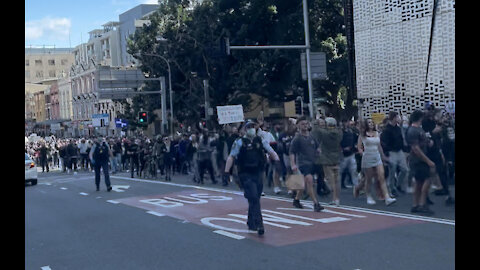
<point x="153" y="224"/>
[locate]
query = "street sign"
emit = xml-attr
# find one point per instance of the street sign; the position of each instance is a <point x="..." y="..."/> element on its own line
<point x="318" y="65"/>
<point x="230" y="114"/>
<point x="120" y="123"/>
<point x="108" y="78"/>
<point x="97" y="119"/>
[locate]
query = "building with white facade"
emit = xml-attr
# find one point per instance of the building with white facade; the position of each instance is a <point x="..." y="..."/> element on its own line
<point x="46" y="63"/>
<point x="129" y="22"/>
<point x="395" y="44"/>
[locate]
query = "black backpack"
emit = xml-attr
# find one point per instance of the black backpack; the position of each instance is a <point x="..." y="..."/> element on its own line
<point x="101" y="152"/>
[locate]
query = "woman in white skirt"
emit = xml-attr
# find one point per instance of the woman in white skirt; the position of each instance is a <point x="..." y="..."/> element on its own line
<point x="372" y="165"/>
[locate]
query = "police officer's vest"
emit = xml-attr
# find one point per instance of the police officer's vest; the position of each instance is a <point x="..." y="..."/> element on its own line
<point x="101" y="152"/>
<point x="251" y="158"/>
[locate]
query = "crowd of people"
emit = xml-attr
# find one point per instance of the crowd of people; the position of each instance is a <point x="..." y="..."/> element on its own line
<point x="380" y="161"/>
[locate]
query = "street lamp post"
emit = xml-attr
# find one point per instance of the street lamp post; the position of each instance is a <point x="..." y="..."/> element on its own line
<point x="169" y="87"/>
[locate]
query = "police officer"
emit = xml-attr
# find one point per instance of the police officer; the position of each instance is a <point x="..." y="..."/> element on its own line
<point x="249" y="152"/>
<point x="99" y="156"/>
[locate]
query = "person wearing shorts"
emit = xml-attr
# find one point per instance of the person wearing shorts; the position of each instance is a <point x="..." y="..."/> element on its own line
<point x="420" y="165"/>
<point x="304" y="149"/>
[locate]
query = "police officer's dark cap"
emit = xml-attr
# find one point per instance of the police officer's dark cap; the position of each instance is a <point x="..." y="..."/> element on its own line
<point x="249" y="124"/>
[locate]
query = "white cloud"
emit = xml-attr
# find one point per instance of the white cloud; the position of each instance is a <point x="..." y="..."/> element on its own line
<point x="48" y="28"/>
<point x="154" y="2"/>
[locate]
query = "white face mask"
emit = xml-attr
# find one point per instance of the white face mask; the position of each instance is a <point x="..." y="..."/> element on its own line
<point x="251" y="132"/>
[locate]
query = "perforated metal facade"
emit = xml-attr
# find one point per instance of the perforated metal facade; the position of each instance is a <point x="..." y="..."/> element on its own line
<point x="392" y="39"/>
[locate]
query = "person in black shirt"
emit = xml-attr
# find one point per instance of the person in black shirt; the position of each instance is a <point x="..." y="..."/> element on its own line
<point x="99" y="156"/>
<point x="393" y="145"/>
<point x="348" y="164"/>
<point x="420" y="163"/>
<point x="435" y="152"/>
<point x="72" y="152"/>
<point x="132" y="152"/>
<point x="44" y="150"/>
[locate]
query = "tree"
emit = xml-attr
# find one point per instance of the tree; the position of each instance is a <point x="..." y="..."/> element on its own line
<point x="193" y="35"/>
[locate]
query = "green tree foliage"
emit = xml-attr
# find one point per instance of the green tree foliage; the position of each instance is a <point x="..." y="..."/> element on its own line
<point x="193" y="35"/>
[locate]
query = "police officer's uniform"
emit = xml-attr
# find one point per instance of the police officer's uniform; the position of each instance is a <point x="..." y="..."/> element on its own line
<point x="250" y="161"/>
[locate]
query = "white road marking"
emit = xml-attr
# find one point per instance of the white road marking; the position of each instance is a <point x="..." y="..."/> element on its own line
<point x="323" y="211"/>
<point x="64" y="188"/>
<point x="155" y="213"/>
<point x="119" y="188"/>
<point x="112" y="201"/>
<point x="228" y="234"/>
<point x="306" y="203"/>
<point x="46" y="268"/>
<point x="83" y="193"/>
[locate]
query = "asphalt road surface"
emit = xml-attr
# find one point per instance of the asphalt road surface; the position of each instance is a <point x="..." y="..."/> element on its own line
<point x="153" y="224"/>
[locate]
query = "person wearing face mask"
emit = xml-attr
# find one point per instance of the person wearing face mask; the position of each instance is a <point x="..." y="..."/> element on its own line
<point x="99" y="156"/>
<point x="248" y="152"/>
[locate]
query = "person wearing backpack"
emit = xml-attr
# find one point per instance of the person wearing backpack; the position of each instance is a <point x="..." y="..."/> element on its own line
<point x="249" y="154"/>
<point x="99" y="156"/>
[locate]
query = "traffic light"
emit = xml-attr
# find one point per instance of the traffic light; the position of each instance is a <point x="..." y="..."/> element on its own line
<point x="298" y="107"/>
<point x="142" y="117"/>
<point x="306" y="110"/>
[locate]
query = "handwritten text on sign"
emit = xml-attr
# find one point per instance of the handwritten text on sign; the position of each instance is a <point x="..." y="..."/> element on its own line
<point x="230" y="114"/>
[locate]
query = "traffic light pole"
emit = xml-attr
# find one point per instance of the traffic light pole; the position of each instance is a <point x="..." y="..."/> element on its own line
<point x="307" y="52"/>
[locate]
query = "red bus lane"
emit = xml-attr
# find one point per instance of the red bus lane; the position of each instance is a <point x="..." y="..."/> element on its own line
<point x="284" y="224"/>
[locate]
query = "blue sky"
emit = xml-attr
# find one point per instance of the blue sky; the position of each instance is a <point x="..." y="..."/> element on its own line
<point x="65" y="23"/>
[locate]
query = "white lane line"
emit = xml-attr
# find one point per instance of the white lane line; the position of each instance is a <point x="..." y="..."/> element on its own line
<point x="46" y="267"/>
<point x="352" y="208"/>
<point x="112" y="201"/>
<point x="228" y="234"/>
<point x="64" y="188"/>
<point x="155" y="213"/>
<point x="83" y="193"/>
<point x="323" y="211"/>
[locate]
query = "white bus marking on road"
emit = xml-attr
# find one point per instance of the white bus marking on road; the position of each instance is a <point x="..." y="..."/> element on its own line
<point x="231" y="235"/>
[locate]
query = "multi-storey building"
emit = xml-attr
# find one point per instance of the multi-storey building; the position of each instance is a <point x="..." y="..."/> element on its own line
<point x="404" y="54"/>
<point x="46" y="63"/>
<point x="129" y="22"/>
<point x="31" y="107"/>
<point x="105" y="47"/>
<point x="65" y="98"/>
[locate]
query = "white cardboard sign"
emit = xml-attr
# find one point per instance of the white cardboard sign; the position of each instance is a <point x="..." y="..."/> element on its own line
<point x="230" y="114"/>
